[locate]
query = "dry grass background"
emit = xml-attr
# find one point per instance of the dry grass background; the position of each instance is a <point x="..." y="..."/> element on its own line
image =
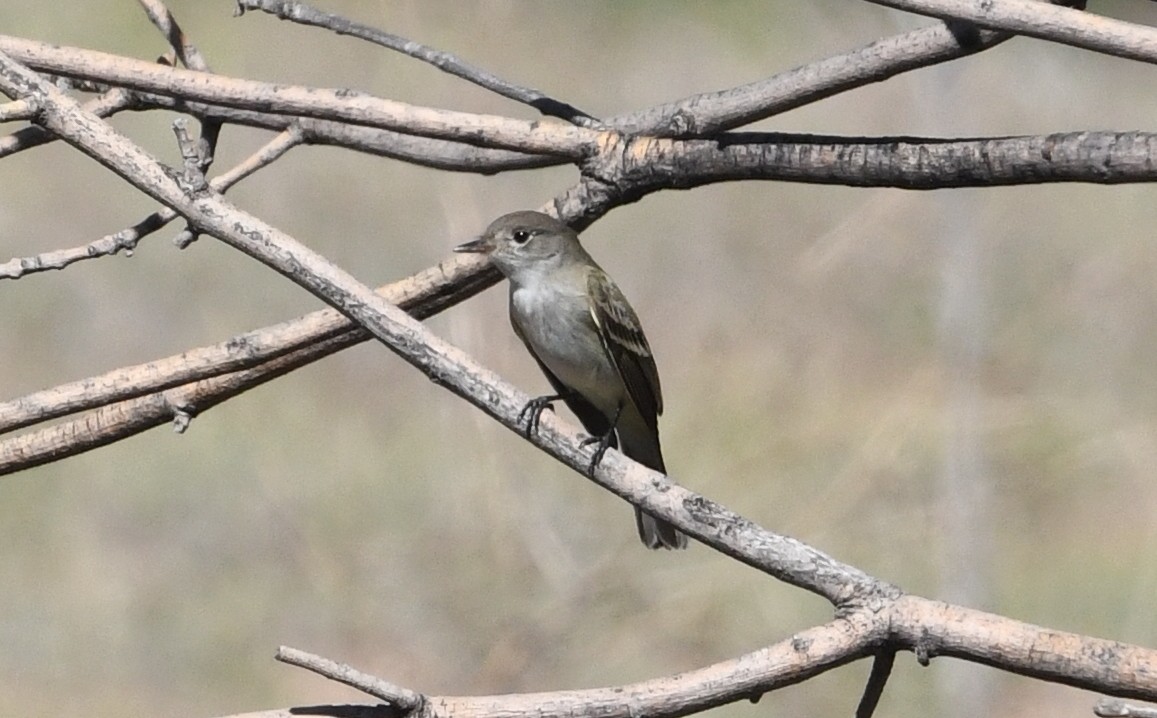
<point x="358" y="511"/>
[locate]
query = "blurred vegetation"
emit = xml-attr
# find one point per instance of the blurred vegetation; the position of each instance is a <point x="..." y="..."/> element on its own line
<point x="358" y="511"/>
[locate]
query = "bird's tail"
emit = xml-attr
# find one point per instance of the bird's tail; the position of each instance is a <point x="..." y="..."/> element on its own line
<point x="657" y="533"/>
<point x="644" y="448"/>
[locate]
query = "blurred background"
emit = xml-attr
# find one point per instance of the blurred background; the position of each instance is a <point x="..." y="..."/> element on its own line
<point x="954" y="391"/>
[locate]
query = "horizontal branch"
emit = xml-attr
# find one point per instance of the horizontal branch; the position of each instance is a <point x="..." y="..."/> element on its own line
<point x="553" y="139"/>
<point x="421" y="151"/>
<point x="1046" y="22"/>
<point x="925" y="627"/>
<point x="934" y="628"/>
<point x="646" y="165"/>
<point x="806" y="654"/>
<point x="915" y="163"/>
<point x="696" y="115"/>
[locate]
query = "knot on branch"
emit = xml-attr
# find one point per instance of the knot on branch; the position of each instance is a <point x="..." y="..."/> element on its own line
<point x="625" y="165"/>
<point x="871" y="596"/>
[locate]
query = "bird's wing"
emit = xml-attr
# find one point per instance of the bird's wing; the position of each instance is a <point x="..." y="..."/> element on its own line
<point x="622" y="336"/>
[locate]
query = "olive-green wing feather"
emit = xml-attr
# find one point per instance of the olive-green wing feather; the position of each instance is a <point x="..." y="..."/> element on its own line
<point x="622" y="336"/>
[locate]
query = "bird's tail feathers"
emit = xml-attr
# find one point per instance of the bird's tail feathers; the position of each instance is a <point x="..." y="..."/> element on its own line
<point x="655" y="533"/>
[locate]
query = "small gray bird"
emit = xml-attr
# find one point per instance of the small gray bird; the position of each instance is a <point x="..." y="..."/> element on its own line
<point x="586" y="338"/>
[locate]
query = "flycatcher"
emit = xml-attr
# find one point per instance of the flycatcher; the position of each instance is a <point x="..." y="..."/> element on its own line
<point x="586" y="338"/>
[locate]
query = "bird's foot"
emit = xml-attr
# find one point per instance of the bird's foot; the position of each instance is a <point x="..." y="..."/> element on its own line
<point x="604" y="443"/>
<point x="532" y="412"/>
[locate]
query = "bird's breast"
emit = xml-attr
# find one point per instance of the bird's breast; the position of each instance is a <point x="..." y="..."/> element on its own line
<point x="558" y="328"/>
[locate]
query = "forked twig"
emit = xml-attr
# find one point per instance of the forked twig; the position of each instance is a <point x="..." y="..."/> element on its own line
<point x="126" y="239"/>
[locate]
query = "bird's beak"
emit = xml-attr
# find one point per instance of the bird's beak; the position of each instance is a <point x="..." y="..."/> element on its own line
<point x="478" y="246"/>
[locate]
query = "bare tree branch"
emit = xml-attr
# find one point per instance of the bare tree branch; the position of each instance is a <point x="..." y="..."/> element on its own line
<point x="707" y="113"/>
<point x="554" y="139"/>
<point x="806" y="654"/>
<point x="928" y="628"/>
<point x="444" y="61"/>
<point x="106" y="105"/>
<point x="712" y="112"/>
<point x="403" y="698"/>
<point x="116" y="421"/>
<point x="201" y="153"/>
<point x="134" y="399"/>
<point x="1046" y="22"/>
<point x="186" y="52"/>
<point x="874" y="690"/>
<point x="646" y="164"/>
<point x="126" y="239"/>
<point x="1113" y="708"/>
<point x="18" y="110"/>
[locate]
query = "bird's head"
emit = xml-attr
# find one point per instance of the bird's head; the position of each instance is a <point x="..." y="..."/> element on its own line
<point x="525" y="241"/>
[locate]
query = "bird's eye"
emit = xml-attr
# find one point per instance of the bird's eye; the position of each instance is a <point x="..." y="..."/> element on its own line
<point x="520" y="236"/>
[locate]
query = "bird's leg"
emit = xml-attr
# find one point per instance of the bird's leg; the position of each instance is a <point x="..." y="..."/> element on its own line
<point x="533" y="411"/>
<point x="603" y="441"/>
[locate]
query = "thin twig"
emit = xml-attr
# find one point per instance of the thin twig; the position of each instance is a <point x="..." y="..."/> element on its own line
<point x="164" y="21"/>
<point x="1116" y="708"/>
<point x="18" y="110"/>
<point x="107" y="104"/>
<point x="126" y="239"/>
<point x="882" y="664"/>
<point x="199" y="156"/>
<point x="712" y="112"/>
<point x="403" y="698"/>
<point x="446" y="62"/>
